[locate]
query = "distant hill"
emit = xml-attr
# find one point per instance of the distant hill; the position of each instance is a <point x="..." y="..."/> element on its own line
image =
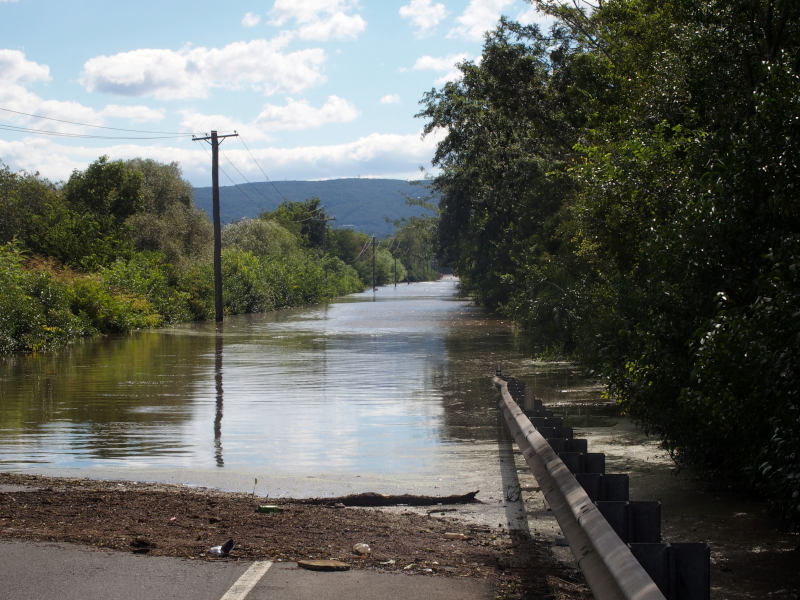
<point x="363" y="203"/>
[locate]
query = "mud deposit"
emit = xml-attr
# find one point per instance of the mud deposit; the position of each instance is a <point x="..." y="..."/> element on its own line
<point x="168" y="520"/>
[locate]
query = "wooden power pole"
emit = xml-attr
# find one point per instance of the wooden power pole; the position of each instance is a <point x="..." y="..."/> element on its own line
<point x="214" y="140"/>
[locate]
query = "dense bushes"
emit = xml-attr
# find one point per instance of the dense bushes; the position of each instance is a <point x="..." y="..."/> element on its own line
<point x="35" y="311"/>
<point x="627" y="189"/>
<point x="121" y="246"/>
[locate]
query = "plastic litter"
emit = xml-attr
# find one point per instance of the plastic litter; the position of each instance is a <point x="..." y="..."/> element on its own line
<point x="362" y="549"/>
<point x="222" y="550"/>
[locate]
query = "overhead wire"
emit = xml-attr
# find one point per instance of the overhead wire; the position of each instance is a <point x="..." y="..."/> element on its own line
<point x="233" y="183"/>
<point x="20" y="129"/>
<point x="244" y="177"/>
<point x="35" y="116"/>
<point x="266" y="177"/>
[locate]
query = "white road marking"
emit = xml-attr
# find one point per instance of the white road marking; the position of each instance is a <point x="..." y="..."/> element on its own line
<point x="248" y="580"/>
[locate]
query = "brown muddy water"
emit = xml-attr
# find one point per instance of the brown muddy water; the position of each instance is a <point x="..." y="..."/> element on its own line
<point x="389" y="392"/>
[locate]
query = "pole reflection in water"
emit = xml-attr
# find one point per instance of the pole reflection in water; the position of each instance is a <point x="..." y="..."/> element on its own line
<point x="218" y="383"/>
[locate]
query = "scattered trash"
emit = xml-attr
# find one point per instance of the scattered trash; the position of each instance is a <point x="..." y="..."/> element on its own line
<point x="172" y="520"/>
<point x="339" y="505"/>
<point x="408" y="567"/>
<point x="269" y="508"/>
<point x="222" y="550"/>
<point x="323" y="565"/>
<point x="428" y="571"/>
<point x="362" y="549"/>
<point x="391" y="561"/>
<point x="455" y="536"/>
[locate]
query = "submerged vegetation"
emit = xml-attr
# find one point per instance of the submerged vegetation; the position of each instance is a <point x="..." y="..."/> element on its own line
<point x="121" y="246"/>
<point x="626" y="187"/>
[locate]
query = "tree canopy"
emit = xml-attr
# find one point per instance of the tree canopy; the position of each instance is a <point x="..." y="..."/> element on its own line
<point x="626" y="187"/>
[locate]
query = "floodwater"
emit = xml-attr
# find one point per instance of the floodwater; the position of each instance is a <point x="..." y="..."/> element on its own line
<point x="389" y="392"/>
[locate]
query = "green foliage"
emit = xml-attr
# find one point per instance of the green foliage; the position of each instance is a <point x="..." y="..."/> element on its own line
<point x="245" y="287"/>
<point x="109" y="311"/>
<point x="414" y="243"/>
<point x="150" y="276"/>
<point x="627" y="189"/>
<point x="263" y="237"/>
<point x="167" y="220"/>
<point x="307" y="220"/>
<point x="34" y="310"/>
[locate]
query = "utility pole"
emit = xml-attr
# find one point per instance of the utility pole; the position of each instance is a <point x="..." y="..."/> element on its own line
<point x="214" y="140"/>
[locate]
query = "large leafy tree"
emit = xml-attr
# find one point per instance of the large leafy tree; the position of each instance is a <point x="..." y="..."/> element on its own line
<point x="633" y="181"/>
<point x="508" y="132"/>
<point x="167" y="219"/>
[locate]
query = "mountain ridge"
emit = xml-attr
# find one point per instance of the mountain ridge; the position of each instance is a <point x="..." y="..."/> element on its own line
<point x="363" y="204"/>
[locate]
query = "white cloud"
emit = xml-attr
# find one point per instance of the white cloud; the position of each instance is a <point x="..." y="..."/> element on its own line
<point x="423" y="15"/>
<point x="137" y="114"/>
<point x="535" y="17"/>
<point x="319" y="20"/>
<point x="390" y="99"/>
<point x="480" y="16"/>
<point x="190" y="72"/>
<point x="378" y="155"/>
<point x="16" y="69"/>
<point x="297" y="115"/>
<point x="251" y="19"/>
<point x="447" y="65"/>
<point x="200" y="122"/>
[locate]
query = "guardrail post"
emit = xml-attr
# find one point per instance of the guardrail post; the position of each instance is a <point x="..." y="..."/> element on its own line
<point x="677" y="571"/>
<point x="610" y="568"/>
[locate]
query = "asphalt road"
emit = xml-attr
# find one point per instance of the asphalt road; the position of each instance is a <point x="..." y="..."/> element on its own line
<point x="43" y="571"/>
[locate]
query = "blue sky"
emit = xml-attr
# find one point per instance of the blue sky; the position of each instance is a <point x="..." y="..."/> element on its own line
<point x="317" y="89"/>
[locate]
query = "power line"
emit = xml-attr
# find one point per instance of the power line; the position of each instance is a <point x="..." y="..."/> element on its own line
<point x="17" y="112"/>
<point x="243" y="176"/>
<point x="7" y="127"/>
<point x="266" y="177"/>
<point x="233" y="183"/>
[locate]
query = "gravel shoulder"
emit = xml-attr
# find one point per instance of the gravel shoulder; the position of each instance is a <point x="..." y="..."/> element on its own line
<point x="180" y="521"/>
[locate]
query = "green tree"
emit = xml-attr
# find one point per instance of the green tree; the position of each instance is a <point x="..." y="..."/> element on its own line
<point x="509" y="136"/>
<point x="305" y="219"/>
<point x="167" y="220"/>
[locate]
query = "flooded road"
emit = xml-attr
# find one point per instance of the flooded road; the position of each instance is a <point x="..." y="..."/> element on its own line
<point x="391" y="390"/>
<point x="388" y="392"/>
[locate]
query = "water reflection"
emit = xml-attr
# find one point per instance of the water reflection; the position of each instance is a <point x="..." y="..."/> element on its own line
<point x="395" y="383"/>
<point x="218" y="382"/>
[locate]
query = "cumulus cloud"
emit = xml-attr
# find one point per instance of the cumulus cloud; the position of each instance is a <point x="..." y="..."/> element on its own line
<point x="137" y="114"/>
<point x="447" y="65"/>
<point x="296" y="115"/>
<point x="380" y="155"/>
<point x="190" y="72"/>
<point x="204" y="123"/>
<point x="423" y="15"/>
<point x="251" y="19"/>
<point x="319" y="20"/>
<point x="535" y="17"/>
<point x="390" y="99"/>
<point x="16" y="69"/>
<point x="479" y="16"/>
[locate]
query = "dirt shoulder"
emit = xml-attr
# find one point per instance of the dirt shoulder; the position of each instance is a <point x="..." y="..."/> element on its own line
<point x="178" y="521"/>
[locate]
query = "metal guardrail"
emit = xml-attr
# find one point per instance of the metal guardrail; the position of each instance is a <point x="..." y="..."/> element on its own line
<point x="607" y="563"/>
